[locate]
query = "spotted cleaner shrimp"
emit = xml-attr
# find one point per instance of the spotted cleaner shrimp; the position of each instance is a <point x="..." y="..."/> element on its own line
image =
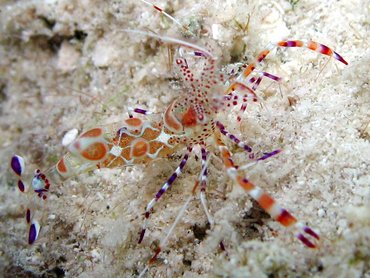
<point x="190" y="121"/>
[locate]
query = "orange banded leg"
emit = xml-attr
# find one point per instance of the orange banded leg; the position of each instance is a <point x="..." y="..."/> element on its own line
<point x="305" y="234"/>
<point x="315" y="46"/>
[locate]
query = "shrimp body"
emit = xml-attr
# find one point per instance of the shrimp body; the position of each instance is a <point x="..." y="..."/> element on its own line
<point x="134" y="141"/>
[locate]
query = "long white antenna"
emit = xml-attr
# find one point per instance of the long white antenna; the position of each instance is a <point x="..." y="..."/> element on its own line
<point x="203" y="51"/>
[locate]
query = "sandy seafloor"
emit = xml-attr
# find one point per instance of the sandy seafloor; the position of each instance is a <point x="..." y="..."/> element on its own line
<point x="67" y="64"/>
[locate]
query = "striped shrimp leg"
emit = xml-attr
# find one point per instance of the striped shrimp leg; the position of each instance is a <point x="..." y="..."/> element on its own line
<point x="164" y="188"/>
<point x="304" y="233"/>
<point x="245" y="147"/>
<point x="233" y="138"/>
<point x="315" y="46"/>
<point x="257" y="81"/>
<point x="202" y="180"/>
<point x="203" y="177"/>
<point x="164" y="240"/>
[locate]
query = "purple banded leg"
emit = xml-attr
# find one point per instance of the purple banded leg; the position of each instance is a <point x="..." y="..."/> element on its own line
<point x="164" y="188"/>
<point x="245" y="147"/>
<point x="233" y="138"/>
<point x="268" y="155"/>
<point x="263" y="157"/>
<point x="204" y="181"/>
<point x="256" y="81"/>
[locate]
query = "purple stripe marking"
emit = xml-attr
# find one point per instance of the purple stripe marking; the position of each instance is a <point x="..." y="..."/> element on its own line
<point x="183" y="162"/>
<point x="21" y="186"/>
<point x="257" y="83"/>
<point x="162" y="190"/>
<point x="245" y="180"/>
<point x="204" y="156"/>
<point x="247" y="148"/>
<point x="32" y="235"/>
<point x="232" y="137"/>
<point x="141" y="237"/>
<point x="140" y="111"/>
<point x="268" y="155"/>
<point x="339" y="58"/>
<point x="305" y="241"/>
<point x="169" y="183"/>
<point x="197" y="53"/>
<point x="222" y="246"/>
<point x="271" y="76"/>
<point x="311" y="232"/>
<point x="291" y="44"/>
<point x="16" y="165"/>
<point x="28" y="216"/>
<point x="173" y="176"/>
<point x="222" y="128"/>
<point x="41" y="190"/>
<point x="219" y="125"/>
